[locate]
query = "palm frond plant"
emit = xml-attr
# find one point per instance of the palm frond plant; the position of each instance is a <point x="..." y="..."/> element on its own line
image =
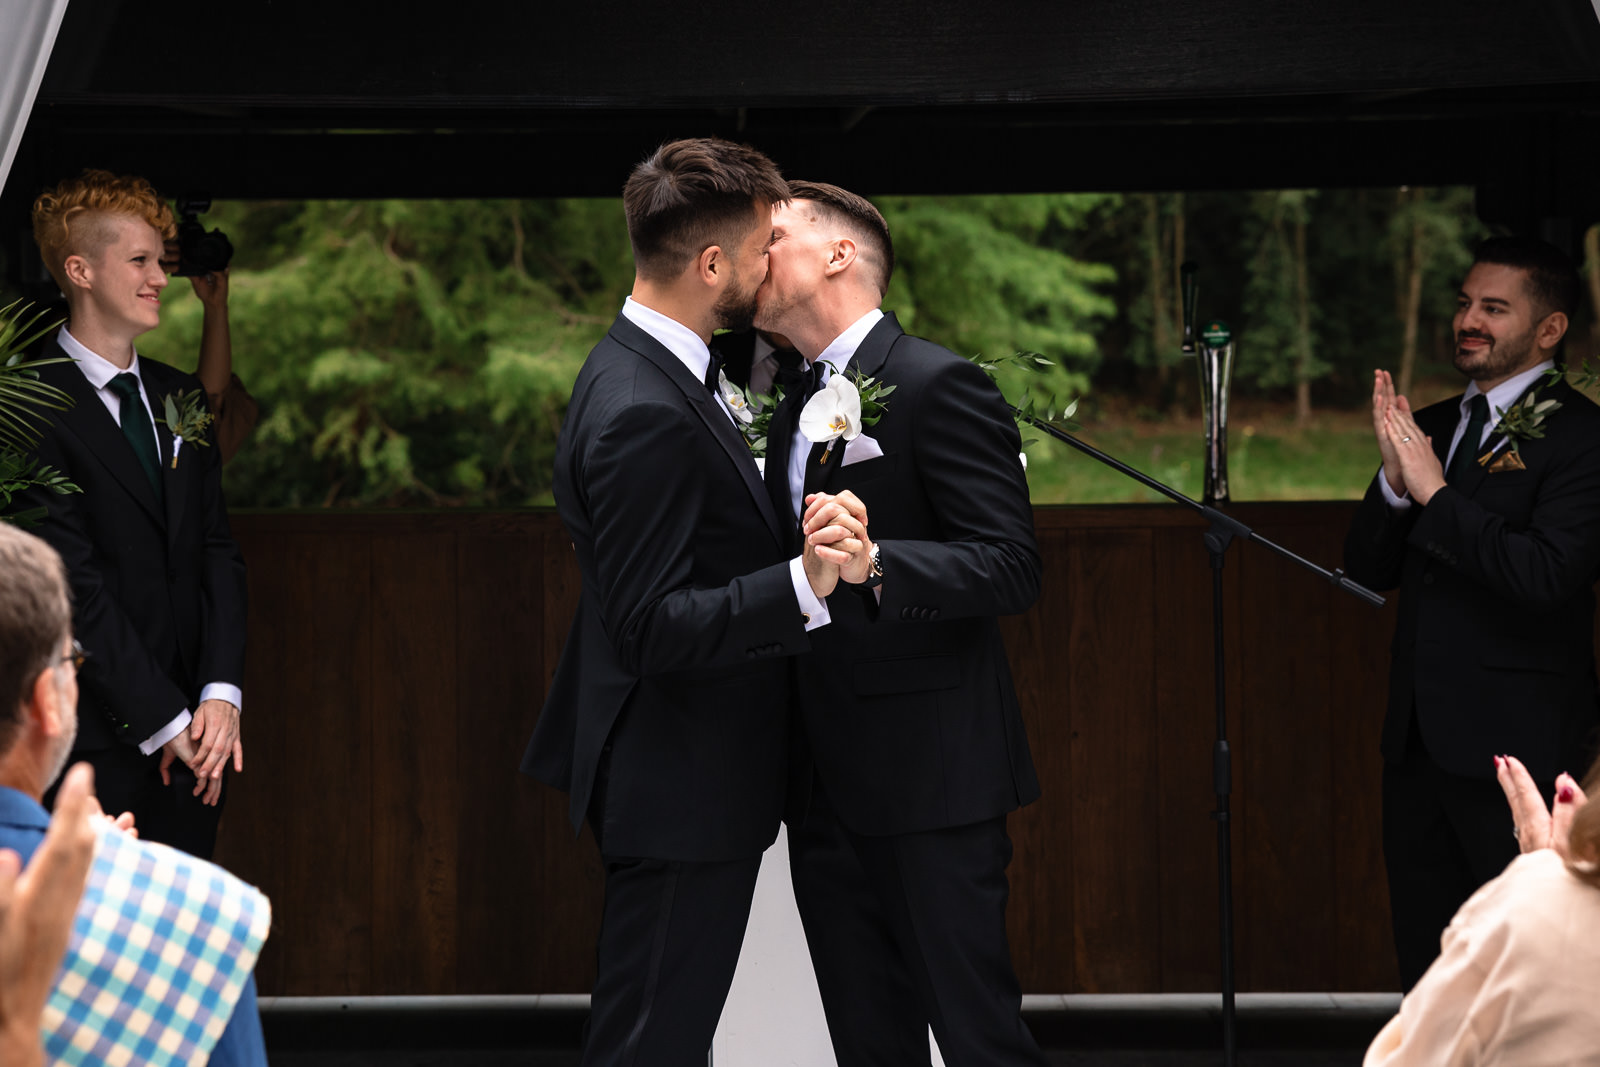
<point x="22" y="396"/>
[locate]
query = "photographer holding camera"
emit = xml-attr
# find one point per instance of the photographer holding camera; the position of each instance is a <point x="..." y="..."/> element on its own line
<point x="203" y="258"/>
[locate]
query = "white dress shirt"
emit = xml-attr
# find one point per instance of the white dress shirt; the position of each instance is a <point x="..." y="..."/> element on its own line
<point x="837" y="354"/>
<point x="99" y="371"/>
<point x="696" y="357"/>
<point x="1501" y="396"/>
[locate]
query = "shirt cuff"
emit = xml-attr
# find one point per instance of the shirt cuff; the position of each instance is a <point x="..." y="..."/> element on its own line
<point x="223" y="691"/>
<point x="1398" y="503"/>
<point x="809" y="603"/>
<point x="167" y="732"/>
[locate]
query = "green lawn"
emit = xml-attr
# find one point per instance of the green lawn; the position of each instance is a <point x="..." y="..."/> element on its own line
<point x="1269" y="458"/>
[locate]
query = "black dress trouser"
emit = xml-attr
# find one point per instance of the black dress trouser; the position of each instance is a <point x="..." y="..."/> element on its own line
<point x="906" y="932"/>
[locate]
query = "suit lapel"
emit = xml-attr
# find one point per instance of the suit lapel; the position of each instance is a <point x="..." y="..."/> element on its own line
<point x="173" y="480"/>
<point x="91" y="423"/>
<point x="710" y="412"/>
<point x="868" y="359"/>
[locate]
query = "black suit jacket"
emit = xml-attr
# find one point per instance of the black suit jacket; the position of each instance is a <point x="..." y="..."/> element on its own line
<point x="907" y="704"/>
<point x="686" y="614"/>
<point x="1494" y="645"/>
<point x="158" y="585"/>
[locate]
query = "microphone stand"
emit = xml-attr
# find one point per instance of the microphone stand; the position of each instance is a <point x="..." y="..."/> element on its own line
<point x="1220" y="533"/>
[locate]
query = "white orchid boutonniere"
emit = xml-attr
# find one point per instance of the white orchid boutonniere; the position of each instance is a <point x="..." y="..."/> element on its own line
<point x="842" y="408"/>
<point x="187" y="416"/>
<point x="752" y="411"/>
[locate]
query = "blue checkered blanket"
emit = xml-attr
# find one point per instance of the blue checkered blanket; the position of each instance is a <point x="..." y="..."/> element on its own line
<point x="160" y="951"/>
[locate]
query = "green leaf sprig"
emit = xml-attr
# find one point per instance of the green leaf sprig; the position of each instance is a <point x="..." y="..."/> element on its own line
<point x="187" y="415"/>
<point x="1524" y="419"/>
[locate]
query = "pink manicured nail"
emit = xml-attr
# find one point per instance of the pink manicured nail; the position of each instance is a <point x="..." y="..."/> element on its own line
<point x="1565" y="794"/>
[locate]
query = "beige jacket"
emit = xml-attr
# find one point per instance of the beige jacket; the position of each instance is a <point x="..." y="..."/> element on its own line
<point x="1517" y="980"/>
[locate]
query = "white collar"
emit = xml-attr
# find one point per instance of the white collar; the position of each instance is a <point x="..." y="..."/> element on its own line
<point x="674" y="335"/>
<point x="1506" y="393"/>
<point x="95" y="367"/>
<point x="841" y="348"/>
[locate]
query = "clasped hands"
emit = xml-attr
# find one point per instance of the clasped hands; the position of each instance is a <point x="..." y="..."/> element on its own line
<point x="205" y="746"/>
<point x="837" y="545"/>
<point x="1409" y="462"/>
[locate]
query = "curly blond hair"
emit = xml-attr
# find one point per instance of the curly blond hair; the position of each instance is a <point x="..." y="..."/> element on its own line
<point x="71" y="219"/>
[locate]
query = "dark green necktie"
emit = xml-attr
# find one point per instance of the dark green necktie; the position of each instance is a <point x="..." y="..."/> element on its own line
<point x="1471" y="441"/>
<point x="137" y="429"/>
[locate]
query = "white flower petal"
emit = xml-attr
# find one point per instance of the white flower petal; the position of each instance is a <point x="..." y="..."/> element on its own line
<point x="821" y="416"/>
<point x="849" y="405"/>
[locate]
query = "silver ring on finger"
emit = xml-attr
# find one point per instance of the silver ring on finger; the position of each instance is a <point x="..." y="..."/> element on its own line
<point x="1404" y="439"/>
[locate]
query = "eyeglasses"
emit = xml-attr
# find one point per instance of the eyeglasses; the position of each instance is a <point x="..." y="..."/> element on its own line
<point x="77" y="656"/>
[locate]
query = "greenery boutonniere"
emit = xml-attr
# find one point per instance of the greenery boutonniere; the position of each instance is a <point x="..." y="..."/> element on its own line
<point x="187" y="416"/>
<point x="1524" y="419"/>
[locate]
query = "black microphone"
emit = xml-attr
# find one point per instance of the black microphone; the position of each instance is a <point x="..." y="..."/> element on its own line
<point x="1191" y="295"/>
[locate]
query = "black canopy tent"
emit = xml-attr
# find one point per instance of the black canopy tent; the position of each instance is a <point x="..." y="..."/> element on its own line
<point x="298" y="98"/>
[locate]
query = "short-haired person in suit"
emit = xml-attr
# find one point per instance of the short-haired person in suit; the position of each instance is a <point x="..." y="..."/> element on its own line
<point x="897" y="837"/>
<point x="158" y="585"/>
<point x="666" y="721"/>
<point x="1491" y="532"/>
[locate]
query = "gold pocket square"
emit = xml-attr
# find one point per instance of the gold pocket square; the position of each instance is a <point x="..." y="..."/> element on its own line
<point x="1508" y="460"/>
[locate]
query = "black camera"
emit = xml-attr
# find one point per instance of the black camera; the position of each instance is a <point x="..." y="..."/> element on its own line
<point x="199" y="252"/>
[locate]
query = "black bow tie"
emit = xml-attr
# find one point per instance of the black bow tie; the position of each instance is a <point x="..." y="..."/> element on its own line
<point x="713" y="369"/>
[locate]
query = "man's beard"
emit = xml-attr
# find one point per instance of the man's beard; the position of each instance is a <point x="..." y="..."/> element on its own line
<point x="1501" y="359"/>
<point x="736" y="311"/>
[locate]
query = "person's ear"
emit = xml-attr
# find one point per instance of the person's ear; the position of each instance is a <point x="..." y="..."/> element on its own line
<point x="841" y="254"/>
<point x="1550" y="332"/>
<point x="78" y="272"/>
<point x="43" y="703"/>
<point x="711" y="267"/>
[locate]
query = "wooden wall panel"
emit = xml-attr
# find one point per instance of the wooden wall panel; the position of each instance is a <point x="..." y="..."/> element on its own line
<point x="1115" y="903"/>
<point x="1181" y="606"/>
<point x="1040" y="916"/>
<point x="398" y="660"/>
<point x="416" y="790"/>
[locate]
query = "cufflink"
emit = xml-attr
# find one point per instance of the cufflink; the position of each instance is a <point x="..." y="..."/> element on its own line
<point x="805" y="618"/>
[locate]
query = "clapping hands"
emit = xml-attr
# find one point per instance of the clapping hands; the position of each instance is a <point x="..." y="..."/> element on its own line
<point x="1534" y="826"/>
<point x="1409" y="462"/>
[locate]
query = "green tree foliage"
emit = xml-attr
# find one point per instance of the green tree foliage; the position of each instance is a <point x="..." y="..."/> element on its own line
<point x="409" y="353"/>
<point x="992" y="275"/>
<point x="421" y="353"/>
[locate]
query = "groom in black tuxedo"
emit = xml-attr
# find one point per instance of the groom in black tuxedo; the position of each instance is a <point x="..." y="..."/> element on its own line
<point x="1495" y="551"/>
<point x="158" y="585"/>
<point x="897" y="834"/>
<point x="662" y="720"/>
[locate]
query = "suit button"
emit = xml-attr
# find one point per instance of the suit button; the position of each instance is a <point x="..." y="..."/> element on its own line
<point x="1427" y="579"/>
<point x="933" y="613"/>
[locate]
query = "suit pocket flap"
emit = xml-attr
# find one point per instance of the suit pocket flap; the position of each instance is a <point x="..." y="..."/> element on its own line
<point x="906" y="674"/>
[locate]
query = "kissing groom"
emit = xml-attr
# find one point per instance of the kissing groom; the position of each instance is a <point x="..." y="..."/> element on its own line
<point x="660" y="721"/>
<point x="899" y="854"/>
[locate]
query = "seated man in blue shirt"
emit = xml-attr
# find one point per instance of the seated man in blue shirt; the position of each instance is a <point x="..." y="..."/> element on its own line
<point x="39" y="719"/>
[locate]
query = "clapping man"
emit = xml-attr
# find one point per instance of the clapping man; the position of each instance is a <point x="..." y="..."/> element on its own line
<point x="158" y="584"/>
<point x="898" y="844"/>
<point x="661" y="721"/>
<point x="39" y="673"/>
<point x="1486" y="515"/>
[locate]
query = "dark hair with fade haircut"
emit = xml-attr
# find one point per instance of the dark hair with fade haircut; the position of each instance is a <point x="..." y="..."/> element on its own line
<point x="35" y="614"/>
<point x="1553" y="281"/>
<point x="865" y="222"/>
<point x="692" y="194"/>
